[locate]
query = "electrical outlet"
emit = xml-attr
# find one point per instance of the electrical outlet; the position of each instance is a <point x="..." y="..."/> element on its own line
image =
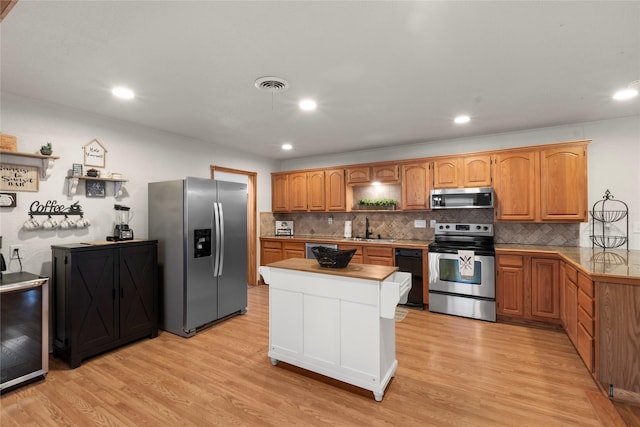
<point x="420" y="223"/>
<point x="636" y="227"/>
<point x="433" y="223"/>
<point x="330" y="220"/>
<point x="14" y="250"/>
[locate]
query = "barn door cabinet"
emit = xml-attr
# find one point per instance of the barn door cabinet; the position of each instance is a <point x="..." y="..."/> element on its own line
<point x="104" y="296"/>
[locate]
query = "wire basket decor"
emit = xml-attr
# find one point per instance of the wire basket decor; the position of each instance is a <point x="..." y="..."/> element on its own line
<point x="332" y="258"/>
<point x="605" y="212"/>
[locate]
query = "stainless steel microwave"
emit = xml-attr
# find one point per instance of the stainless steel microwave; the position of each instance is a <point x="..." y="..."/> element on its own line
<point x="462" y="198"/>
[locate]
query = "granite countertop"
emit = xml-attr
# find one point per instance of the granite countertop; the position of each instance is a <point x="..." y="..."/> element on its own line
<point x="417" y="244"/>
<point x="602" y="265"/>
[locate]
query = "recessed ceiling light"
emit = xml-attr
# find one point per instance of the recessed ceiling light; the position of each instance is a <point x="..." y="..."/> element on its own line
<point x="629" y="92"/>
<point x="287" y="146"/>
<point x="462" y="119"/>
<point x="122" y="92"/>
<point x="307" y="105"/>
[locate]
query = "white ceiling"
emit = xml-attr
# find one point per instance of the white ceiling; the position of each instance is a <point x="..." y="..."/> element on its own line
<point x="383" y="73"/>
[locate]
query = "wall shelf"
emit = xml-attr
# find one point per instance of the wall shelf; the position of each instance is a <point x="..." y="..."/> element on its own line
<point x="47" y="161"/>
<point x="72" y="184"/>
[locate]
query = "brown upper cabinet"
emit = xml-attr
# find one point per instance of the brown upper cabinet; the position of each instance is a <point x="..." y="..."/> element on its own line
<point x="280" y="192"/>
<point x="335" y="195"/>
<point x="387" y="173"/>
<point x="462" y="171"/>
<point x="308" y="191"/>
<point x="415" y="186"/>
<point x="532" y="184"/>
<point x="548" y="184"/>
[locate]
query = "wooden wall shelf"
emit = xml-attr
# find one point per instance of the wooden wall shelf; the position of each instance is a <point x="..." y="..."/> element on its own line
<point x="47" y="161"/>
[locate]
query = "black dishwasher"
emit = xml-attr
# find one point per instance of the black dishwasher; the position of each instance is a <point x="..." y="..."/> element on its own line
<point x="410" y="261"/>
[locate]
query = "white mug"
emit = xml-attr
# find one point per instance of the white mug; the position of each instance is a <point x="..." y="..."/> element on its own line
<point x="50" y="223"/>
<point x="67" y="223"/>
<point x="83" y="223"/>
<point x="32" y="224"/>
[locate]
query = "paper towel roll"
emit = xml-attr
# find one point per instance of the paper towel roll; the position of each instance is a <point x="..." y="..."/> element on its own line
<point x="347" y="229"/>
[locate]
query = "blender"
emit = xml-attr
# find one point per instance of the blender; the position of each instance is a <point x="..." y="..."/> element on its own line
<point x="122" y="230"/>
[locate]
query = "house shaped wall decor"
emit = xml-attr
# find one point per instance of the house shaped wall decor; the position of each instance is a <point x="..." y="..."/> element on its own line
<point x="94" y="154"/>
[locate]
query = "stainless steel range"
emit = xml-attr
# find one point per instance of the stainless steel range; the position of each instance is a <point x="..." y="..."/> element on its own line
<point x="462" y="271"/>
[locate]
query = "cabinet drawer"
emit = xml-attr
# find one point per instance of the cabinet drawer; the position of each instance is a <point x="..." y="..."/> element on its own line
<point x="293" y="246"/>
<point x="271" y="244"/>
<point x="348" y="247"/>
<point x="585" y="284"/>
<point x="586" y="302"/>
<point x="585" y="347"/>
<point x="511" y="260"/>
<point x="571" y="272"/>
<point x="379" y="252"/>
<point x="586" y="321"/>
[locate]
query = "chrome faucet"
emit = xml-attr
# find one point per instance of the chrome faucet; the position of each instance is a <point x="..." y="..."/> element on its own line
<point x="367" y="232"/>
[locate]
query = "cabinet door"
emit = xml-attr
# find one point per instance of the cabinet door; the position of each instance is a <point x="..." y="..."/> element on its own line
<point x="270" y="252"/>
<point x="545" y="292"/>
<point x="563" y="184"/>
<point x="316" y="190"/>
<point x="298" y="191"/>
<point x="510" y="284"/>
<point x="280" y="193"/>
<point x="571" y="310"/>
<point x="476" y="171"/>
<point x="335" y="198"/>
<point x="415" y="186"/>
<point x="386" y="173"/>
<point x="446" y="173"/>
<point x="93" y="306"/>
<point x="358" y="175"/>
<point x="137" y="294"/>
<point x="514" y="178"/>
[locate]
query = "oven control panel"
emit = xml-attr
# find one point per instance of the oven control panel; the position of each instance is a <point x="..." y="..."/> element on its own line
<point x="464" y="229"/>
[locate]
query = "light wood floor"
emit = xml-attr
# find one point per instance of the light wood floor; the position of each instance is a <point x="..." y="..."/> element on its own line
<point x="452" y="372"/>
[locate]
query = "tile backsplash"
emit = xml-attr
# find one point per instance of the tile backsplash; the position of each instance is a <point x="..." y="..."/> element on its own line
<point x="400" y="226"/>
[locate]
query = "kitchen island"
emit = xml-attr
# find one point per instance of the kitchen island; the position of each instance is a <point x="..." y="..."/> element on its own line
<point x="336" y="322"/>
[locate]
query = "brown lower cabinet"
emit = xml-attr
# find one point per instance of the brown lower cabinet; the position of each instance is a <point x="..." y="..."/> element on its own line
<point x="277" y="250"/>
<point x="527" y="287"/>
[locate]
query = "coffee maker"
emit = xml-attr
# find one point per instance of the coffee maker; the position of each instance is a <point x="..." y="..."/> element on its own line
<point x="122" y="231"/>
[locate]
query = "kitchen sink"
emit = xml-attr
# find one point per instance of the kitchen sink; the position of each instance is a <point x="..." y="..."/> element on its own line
<point x="362" y="239"/>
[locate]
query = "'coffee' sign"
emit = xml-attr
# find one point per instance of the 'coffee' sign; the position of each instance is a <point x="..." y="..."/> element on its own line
<point x="19" y="177"/>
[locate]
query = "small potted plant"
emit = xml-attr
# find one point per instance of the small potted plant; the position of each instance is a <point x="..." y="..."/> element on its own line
<point x="377" y="204"/>
<point x="46" y="149"/>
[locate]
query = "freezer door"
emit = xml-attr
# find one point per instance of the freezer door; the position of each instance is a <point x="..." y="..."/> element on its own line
<point x="232" y="269"/>
<point x="201" y="295"/>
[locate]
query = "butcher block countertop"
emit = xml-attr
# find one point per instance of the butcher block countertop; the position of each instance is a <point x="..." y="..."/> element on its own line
<point x="395" y="243"/>
<point x="357" y="271"/>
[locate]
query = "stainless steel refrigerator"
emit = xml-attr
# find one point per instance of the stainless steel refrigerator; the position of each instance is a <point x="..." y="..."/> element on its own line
<point x="201" y="228"/>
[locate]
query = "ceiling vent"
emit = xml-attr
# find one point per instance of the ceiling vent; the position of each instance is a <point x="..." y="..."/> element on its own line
<point x="272" y="84"/>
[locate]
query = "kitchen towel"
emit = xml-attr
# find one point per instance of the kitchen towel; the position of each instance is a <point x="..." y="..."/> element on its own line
<point x="347" y="229"/>
<point x="465" y="263"/>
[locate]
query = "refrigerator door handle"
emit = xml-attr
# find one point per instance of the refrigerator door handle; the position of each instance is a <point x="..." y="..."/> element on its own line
<point x="221" y="234"/>
<point x="216" y="256"/>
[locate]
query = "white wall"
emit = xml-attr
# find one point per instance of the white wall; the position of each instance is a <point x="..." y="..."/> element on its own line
<point x="614" y="158"/>
<point x="141" y="154"/>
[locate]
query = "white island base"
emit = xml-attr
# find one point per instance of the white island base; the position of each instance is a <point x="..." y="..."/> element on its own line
<point x="336" y="322"/>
